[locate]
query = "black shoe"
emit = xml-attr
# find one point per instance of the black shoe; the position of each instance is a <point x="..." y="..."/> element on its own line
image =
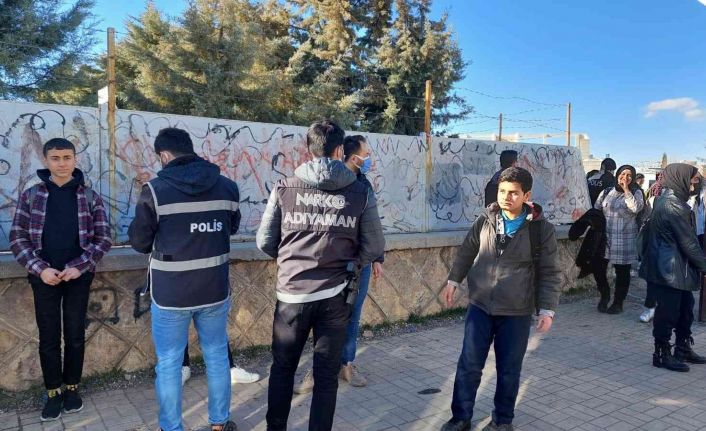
<point x="663" y="358"/>
<point x="72" y="401"/>
<point x="52" y="408"/>
<point x="603" y="305"/>
<point x="684" y="353"/>
<point x="615" y="308"/>
<point x="228" y="426"/>
<point x="492" y="426"/>
<point x="456" y="425"/>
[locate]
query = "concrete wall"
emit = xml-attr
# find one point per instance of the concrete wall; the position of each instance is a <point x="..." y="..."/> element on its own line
<point x="416" y="266"/>
<point x="256" y="155"/>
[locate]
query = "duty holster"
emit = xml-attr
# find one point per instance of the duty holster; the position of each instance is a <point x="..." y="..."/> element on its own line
<point x="353" y="283"/>
<point x="142" y="300"/>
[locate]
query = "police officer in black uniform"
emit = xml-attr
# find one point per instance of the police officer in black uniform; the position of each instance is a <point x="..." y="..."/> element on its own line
<point x="318" y="225"/>
<point x="601" y="180"/>
<point x="184" y="218"/>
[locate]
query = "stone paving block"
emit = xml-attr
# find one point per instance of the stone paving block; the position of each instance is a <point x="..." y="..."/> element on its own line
<point x="579" y="377"/>
<point x="9" y="421"/>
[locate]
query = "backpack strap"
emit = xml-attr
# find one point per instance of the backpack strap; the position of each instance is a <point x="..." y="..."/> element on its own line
<point x="536" y="248"/>
<point x="90" y="198"/>
<point x="32" y="195"/>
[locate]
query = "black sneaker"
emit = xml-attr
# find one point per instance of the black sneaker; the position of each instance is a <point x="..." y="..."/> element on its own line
<point x="492" y="426"/>
<point x="602" y="305"/>
<point x="72" y="401"/>
<point x="228" y="426"/>
<point x="52" y="408"/>
<point x="456" y="425"/>
<point x="615" y="308"/>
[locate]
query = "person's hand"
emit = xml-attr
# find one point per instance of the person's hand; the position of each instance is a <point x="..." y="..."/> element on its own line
<point x="69" y="274"/>
<point x="50" y="276"/>
<point x="449" y="292"/>
<point x="377" y="270"/>
<point x="544" y="324"/>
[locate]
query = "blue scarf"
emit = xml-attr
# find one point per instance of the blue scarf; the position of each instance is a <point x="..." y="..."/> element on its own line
<point x="512" y="226"/>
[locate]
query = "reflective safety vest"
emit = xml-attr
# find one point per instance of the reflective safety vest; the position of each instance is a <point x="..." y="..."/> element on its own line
<point x="189" y="263"/>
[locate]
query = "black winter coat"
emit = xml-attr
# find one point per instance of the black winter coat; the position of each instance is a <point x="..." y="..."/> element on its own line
<point x="593" y="245"/>
<point x="671" y="255"/>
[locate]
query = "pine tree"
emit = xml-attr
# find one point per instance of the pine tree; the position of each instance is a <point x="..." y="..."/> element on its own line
<point x="414" y="49"/>
<point x="324" y="68"/>
<point x="363" y="63"/>
<point x="43" y="44"/>
<point x="221" y="59"/>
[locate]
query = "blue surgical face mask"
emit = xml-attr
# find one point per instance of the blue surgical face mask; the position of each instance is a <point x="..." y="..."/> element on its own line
<point x="365" y="167"/>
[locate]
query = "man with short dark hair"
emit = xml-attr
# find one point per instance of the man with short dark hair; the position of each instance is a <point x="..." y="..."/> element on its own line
<point x="184" y="218"/>
<point x="508" y="159"/>
<point x="59" y="233"/>
<point x="321" y="225"/>
<point x="510" y="259"/>
<point x="640" y="179"/>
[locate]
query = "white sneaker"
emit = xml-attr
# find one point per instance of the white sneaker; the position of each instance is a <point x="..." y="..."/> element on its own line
<point x="239" y="375"/>
<point x="647" y="315"/>
<point x="185" y="374"/>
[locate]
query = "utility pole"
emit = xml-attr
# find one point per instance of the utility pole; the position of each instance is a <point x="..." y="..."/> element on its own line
<point x="568" y="125"/>
<point x="500" y="128"/>
<point x="428" y="164"/>
<point x="112" y="146"/>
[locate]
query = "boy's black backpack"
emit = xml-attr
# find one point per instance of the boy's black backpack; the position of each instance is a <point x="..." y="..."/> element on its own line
<point x="536" y="245"/>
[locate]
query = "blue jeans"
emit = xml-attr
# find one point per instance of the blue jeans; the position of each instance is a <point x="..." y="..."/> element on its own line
<point x="170" y="332"/>
<point x="348" y="354"/>
<point x="509" y="335"/>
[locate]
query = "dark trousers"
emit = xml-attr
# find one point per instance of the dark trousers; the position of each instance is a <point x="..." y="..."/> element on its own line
<point x="292" y="323"/>
<point x="53" y="305"/>
<point x="509" y="334"/>
<point x="622" y="280"/>
<point x="675" y="312"/>
<point x="650" y="300"/>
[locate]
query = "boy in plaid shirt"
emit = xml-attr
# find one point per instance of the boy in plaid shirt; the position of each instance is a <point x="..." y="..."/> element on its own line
<point x="59" y="233"/>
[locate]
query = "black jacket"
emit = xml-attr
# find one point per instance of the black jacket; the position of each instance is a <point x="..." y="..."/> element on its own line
<point x="363" y="179"/>
<point x="593" y="245"/>
<point x="671" y="255"/>
<point x="491" y="189"/>
<point x="185" y="217"/>
<point x="598" y="183"/>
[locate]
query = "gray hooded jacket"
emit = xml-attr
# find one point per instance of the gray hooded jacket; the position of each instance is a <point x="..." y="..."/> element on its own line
<point x="503" y="284"/>
<point x="316" y="223"/>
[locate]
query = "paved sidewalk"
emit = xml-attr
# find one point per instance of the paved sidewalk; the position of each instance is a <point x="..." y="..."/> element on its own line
<point x="592" y="372"/>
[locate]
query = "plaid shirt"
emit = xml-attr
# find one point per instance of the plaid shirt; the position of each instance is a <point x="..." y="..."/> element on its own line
<point x="28" y="225"/>
<point x="620" y="211"/>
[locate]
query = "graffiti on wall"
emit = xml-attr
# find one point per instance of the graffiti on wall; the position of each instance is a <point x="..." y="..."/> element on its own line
<point x="462" y="168"/>
<point x="24" y="127"/>
<point x="256" y="155"/>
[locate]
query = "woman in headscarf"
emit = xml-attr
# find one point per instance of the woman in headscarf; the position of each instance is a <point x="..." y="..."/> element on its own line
<point x="671" y="262"/>
<point x="656" y="189"/>
<point x="620" y="205"/>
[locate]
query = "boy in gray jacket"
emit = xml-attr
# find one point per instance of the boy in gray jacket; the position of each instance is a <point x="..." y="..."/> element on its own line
<point x="509" y="256"/>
